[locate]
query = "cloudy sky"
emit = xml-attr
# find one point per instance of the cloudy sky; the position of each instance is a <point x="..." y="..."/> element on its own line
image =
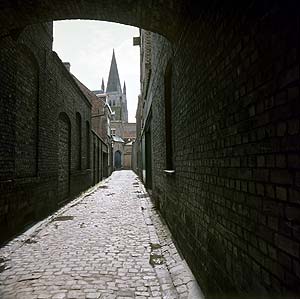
<point x="88" y="46"/>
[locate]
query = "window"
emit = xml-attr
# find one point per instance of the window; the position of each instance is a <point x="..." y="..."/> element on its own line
<point x="168" y="117"/>
<point x="88" y="149"/>
<point x="64" y="155"/>
<point x="78" y="141"/>
<point x="26" y="117"/>
<point x="113" y="131"/>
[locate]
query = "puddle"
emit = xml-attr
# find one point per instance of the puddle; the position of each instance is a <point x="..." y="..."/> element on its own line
<point x="110" y="194"/>
<point x="155" y="256"/>
<point x="155" y="246"/>
<point x="63" y="218"/>
<point x="32" y="276"/>
<point x="156" y="259"/>
<point x="143" y="195"/>
<point x="30" y="241"/>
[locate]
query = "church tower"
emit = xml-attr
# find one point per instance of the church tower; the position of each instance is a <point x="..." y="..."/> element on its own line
<point x="115" y="96"/>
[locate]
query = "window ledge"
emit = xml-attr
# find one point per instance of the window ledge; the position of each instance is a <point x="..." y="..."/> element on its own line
<point x="169" y="172"/>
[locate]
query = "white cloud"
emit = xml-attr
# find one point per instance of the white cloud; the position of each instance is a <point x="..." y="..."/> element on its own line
<point x="88" y="46"/>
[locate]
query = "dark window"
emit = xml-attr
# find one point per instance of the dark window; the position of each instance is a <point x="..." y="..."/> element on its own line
<point x="27" y="88"/>
<point x="64" y="155"/>
<point x="168" y="116"/>
<point x="78" y="140"/>
<point x="88" y="149"/>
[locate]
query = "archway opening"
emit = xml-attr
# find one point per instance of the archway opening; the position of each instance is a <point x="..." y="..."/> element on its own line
<point x="118" y="160"/>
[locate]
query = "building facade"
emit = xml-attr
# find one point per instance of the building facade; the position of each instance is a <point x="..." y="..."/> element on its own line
<point x="47" y="152"/>
<point x="219" y="148"/>
<point x="101" y="120"/>
<point x="123" y="133"/>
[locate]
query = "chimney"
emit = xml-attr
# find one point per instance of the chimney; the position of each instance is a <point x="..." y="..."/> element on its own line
<point x="67" y="65"/>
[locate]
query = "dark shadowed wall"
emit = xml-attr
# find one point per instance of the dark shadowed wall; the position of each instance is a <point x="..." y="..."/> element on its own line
<point x="232" y="121"/>
<point x="44" y="121"/>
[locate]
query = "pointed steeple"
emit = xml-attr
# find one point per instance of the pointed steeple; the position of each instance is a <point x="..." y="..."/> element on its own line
<point x="124" y="88"/>
<point x="113" y="83"/>
<point x="102" y="85"/>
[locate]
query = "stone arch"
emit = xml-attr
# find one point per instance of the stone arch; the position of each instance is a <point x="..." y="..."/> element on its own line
<point x="164" y="17"/>
<point x="26" y="112"/>
<point x="64" y="155"/>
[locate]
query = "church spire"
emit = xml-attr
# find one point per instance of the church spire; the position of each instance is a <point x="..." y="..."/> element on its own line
<point x="124" y="88"/>
<point x="113" y="83"/>
<point x="102" y="85"/>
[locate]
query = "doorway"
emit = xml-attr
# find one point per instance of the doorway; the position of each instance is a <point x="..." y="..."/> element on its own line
<point x="118" y="160"/>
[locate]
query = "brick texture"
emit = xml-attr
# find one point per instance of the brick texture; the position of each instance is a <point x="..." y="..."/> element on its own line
<point x="39" y="152"/>
<point x="233" y="203"/>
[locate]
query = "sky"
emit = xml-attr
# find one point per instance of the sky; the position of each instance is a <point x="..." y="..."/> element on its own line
<point x="88" y="46"/>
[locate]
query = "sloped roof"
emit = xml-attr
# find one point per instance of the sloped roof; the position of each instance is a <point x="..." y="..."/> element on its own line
<point x="88" y="93"/>
<point x="117" y="138"/>
<point x="98" y="92"/>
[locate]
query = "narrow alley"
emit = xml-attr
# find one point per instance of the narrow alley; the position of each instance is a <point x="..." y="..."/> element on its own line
<point x="107" y="243"/>
<point x="197" y="101"/>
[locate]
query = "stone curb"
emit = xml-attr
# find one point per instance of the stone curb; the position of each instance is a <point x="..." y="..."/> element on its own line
<point x="180" y="268"/>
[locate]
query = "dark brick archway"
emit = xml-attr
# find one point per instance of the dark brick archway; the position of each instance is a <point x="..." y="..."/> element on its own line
<point x="233" y="199"/>
<point x="157" y="16"/>
<point x="166" y="17"/>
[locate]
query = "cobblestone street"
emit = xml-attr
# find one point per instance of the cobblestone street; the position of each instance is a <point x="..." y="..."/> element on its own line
<point x="107" y="243"/>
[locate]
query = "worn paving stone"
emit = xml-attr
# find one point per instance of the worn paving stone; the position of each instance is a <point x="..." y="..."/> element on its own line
<point x="108" y="243"/>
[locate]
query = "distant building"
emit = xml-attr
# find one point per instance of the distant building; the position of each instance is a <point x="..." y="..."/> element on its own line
<point x="123" y="133"/>
<point x="101" y="117"/>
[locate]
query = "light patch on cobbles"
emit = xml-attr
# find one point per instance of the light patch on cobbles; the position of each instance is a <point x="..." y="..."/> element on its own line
<point x="98" y="246"/>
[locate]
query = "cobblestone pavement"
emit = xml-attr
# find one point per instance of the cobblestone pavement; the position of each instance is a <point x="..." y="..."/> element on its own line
<point x="107" y="243"/>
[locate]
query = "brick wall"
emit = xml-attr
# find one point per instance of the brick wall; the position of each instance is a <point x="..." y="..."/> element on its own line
<point x="233" y="203"/>
<point x="26" y="111"/>
<point x="39" y="150"/>
<point x="99" y="159"/>
<point x="99" y="118"/>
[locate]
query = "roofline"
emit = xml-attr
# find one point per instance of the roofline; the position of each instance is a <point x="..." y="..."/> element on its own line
<point x="70" y="76"/>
